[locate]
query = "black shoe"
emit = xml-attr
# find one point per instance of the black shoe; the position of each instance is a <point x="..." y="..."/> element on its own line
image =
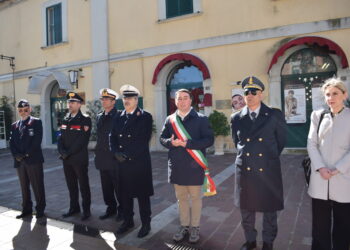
<point x="23" y="215"/>
<point x="267" y="246"/>
<point x="71" y="212"/>
<point x="144" y="230"/>
<point x="86" y="215"/>
<point x="106" y="215"/>
<point x="125" y="226"/>
<point x="119" y="217"/>
<point x="39" y="215"/>
<point x="249" y="245"/>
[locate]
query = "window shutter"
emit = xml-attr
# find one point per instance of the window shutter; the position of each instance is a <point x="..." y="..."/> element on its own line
<point x="186" y="7"/>
<point x="178" y="7"/>
<point x="58" y="23"/>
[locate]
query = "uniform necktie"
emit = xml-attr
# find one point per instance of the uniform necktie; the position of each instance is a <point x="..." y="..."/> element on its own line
<point x="21" y="127"/>
<point x="253" y="114"/>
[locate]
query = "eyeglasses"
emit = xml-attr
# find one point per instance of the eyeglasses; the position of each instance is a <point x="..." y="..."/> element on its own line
<point x="23" y="110"/>
<point x="251" y="91"/>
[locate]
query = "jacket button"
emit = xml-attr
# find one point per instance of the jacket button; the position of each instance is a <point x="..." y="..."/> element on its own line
<point x="260" y="139"/>
<point x="120" y="135"/>
<point x="248" y="168"/>
<point x="260" y="169"/>
<point x="248" y="139"/>
<point x="247" y="154"/>
<point x="120" y="146"/>
<point x="129" y="136"/>
<point x="260" y="155"/>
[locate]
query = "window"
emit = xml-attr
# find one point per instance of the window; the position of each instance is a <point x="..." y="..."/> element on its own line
<point x="54" y="24"/>
<point x="178" y="8"/>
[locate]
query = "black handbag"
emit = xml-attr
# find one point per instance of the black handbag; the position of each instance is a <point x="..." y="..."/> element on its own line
<point x="306" y="163"/>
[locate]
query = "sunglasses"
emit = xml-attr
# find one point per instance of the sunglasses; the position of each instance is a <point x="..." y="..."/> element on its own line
<point x="23" y="110"/>
<point x="251" y="91"/>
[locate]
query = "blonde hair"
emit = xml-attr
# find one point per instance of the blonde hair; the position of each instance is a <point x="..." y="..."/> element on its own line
<point x="334" y="82"/>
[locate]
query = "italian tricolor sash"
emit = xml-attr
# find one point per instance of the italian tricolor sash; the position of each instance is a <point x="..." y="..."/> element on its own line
<point x="208" y="187"/>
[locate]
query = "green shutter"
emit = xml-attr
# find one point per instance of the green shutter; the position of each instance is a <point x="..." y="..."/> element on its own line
<point x="58" y="23"/>
<point x="186" y="7"/>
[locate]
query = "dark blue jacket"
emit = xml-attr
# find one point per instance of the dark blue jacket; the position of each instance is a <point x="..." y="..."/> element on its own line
<point x="182" y="168"/>
<point x="131" y="136"/>
<point x="258" y="168"/>
<point x="29" y="143"/>
<point x="104" y="159"/>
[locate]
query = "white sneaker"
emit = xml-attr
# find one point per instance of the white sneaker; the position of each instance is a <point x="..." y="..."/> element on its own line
<point x="183" y="231"/>
<point x="194" y="235"/>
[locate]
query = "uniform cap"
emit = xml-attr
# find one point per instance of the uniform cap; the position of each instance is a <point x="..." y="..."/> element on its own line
<point x="252" y="82"/>
<point x="109" y="93"/>
<point x="23" y="103"/>
<point x="74" y="97"/>
<point x="129" y="91"/>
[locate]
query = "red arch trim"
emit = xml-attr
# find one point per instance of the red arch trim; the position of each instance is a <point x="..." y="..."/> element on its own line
<point x="310" y="40"/>
<point x="182" y="57"/>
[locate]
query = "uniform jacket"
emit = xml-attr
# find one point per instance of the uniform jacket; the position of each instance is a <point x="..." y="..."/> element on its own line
<point x="74" y="138"/>
<point x="29" y="143"/>
<point x="182" y="168"/>
<point x="330" y="148"/>
<point x="131" y="136"/>
<point x="104" y="159"/>
<point x="259" y="144"/>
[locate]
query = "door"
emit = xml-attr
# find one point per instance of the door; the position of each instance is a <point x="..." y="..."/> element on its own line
<point x="303" y="74"/>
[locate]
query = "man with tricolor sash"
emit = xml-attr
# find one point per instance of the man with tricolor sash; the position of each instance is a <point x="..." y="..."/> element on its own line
<point x="187" y="134"/>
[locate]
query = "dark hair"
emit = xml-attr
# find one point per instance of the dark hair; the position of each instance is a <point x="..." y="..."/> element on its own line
<point x="184" y="91"/>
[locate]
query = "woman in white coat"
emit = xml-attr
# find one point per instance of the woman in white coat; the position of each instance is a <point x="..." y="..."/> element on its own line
<point x="329" y="150"/>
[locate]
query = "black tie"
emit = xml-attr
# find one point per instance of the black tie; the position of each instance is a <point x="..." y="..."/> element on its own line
<point x="253" y="114"/>
<point x="21" y="127"/>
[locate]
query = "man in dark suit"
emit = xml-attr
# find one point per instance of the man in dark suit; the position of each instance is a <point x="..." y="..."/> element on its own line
<point x="129" y="142"/>
<point x="259" y="133"/>
<point x="25" y="145"/>
<point x="104" y="158"/>
<point x="72" y="146"/>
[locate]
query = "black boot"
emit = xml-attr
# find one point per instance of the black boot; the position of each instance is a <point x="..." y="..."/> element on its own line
<point x="24" y="214"/>
<point x="144" y="230"/>
<point x="249" y="245"/>
<point x="71" y="212"/>
<point x="125" y="226"/>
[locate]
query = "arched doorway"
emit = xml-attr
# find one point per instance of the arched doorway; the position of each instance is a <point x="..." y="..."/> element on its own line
<point x="163" y="73"/>
<point x="185" y="76"/>
<point x="302" y="75"/>
<point x="58" y="109"/>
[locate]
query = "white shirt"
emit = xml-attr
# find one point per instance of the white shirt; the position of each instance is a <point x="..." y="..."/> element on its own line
<point x="183" y="117"/>
<point x="257" y="110"/>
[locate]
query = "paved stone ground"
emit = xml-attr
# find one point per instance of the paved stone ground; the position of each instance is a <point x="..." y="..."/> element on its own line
<point x="220" y="223"/>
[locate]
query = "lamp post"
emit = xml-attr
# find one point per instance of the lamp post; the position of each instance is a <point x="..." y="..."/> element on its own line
<point x="73" y="77"/>
<point x="11" y="59"/>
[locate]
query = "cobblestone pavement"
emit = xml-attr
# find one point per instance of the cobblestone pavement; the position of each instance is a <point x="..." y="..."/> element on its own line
<point x="220" y="222"/>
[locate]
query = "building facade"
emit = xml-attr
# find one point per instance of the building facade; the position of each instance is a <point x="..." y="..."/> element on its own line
<point x="163" y="45"/>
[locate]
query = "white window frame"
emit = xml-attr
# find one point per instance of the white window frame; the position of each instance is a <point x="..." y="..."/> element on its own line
<point x="44" y="20"/>
<point x="197" y="9"/>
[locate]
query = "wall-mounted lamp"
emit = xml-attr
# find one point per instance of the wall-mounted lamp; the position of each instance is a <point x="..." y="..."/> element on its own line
<point x="73" y="77"/>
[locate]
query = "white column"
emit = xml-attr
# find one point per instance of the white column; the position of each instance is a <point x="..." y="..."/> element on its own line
<point x="100" y="47"/>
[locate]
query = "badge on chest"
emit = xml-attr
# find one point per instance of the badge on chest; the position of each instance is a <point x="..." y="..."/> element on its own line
<point x="31" y="131"/>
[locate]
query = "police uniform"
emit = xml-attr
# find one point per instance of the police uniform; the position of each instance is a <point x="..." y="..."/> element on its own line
<point x="129" y="141"/>
<point x="25" y="145"/>
<point x="72" y="146"/>
<point x="105" y="161"/>
<point x="259" y="139"/>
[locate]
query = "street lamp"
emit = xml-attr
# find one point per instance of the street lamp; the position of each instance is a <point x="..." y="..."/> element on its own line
<point x="73" y="76"/>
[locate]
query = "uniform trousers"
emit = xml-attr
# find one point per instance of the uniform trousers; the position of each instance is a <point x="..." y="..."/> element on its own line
<point x="78" y="174"/>
<point x="110" y="190"/>
<point x="324" y="214"/>
<point x="269" y="232"/>
<point x="32" y="174"/>
<point x="144" y="208"/>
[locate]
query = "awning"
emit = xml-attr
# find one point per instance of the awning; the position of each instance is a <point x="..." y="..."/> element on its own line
<point x="311" y="40"/>
<point x="38" y="81"/>
<point x="182" y="57"/>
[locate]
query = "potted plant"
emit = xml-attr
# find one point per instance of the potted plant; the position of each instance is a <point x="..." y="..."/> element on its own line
<point x="221" y="128"/>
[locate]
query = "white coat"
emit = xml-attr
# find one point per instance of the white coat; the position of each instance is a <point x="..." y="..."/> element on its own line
<point x="330" y="148"/>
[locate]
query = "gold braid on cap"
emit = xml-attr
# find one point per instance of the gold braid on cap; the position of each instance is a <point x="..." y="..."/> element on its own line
<point x="71" y="94"/>
<point x="250" y="80"/>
